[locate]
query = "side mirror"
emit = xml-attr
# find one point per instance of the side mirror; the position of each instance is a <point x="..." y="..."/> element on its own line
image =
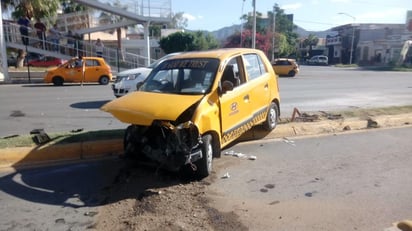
<point x="138" y="85"/>
<point x="227" y="86"/>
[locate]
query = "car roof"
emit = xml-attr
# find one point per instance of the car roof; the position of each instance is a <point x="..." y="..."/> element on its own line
<point x="284" y="59"/>
<point x="134" y="71"/>
<point x="221" y="54"/>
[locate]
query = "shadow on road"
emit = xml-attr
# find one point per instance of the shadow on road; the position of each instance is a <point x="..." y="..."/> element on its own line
<point x="89" y="104"/>
<point x="87" y="184"/>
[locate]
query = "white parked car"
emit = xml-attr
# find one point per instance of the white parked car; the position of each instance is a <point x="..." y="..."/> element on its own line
<point x="318" y="60"/>
<point x="127" y="80"/>
<point x="1" y="77"/>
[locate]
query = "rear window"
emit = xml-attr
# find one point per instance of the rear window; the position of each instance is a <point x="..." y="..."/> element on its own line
<point x="254" y="66"/>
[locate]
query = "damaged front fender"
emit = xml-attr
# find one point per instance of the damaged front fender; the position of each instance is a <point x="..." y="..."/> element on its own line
<point x="171" y="146"/>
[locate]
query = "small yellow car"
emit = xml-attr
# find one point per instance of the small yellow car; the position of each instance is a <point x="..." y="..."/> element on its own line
<point x="76" y="70"/>
<point x="195" y="103"/>
<point x="285" y="67"/>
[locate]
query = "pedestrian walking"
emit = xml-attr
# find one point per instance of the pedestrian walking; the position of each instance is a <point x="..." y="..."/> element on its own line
<point x="99" y="48"/>
<point x="41" y="31"/>
<point x="78" y="45"/>
<point x="54" y="37"/>
<point x="24" y="23"/>
<point x="71" y="43"/>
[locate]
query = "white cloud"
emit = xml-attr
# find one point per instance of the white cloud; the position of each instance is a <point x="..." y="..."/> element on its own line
<point x="380" y="16"/>
<point x="340" y="1"/>
<point x="189" y="17"/>
<point x="293" y="6"/>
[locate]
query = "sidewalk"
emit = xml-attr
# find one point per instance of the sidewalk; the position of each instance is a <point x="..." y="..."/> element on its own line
<point x="63" y="153"/>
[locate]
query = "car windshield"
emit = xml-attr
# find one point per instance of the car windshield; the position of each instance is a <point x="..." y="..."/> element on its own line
<point x="182" y="76"/>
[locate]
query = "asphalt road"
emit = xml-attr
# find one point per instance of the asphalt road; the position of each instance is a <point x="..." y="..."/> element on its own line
<point x="350" y="181"/>
<point x="356" y="181"/>
<point x="56" y="109"/>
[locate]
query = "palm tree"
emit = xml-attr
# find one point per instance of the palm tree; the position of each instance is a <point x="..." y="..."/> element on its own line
<point x="310" y="41"/>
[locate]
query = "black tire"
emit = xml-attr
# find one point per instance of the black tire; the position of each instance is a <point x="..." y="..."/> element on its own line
<point x="291" y="73"/>
<point x="204" y="165"/>
<point x="104" y="80"/>
<point x="271" y="117"/>
<point x="58" y="81"/>
<point x="129" y="146"/>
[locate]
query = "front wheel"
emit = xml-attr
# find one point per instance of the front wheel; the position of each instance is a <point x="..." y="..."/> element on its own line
<point x="57" y="81"/>
<point x="131" y="150"/>
<point x="272" y="117"/>
<point x="204" y="165"/>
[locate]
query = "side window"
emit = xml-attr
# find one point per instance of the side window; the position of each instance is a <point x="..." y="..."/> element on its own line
<point x="92" y="63"/>
<point x="254" y="66"/>
<point x="233" y="75"/>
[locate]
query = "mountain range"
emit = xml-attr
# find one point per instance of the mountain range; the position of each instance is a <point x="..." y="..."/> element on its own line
<point x="225" y="32"/>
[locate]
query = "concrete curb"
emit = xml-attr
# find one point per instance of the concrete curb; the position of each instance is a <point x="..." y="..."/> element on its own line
<point x="55" y="153"/>
<point x="62" y="153"/>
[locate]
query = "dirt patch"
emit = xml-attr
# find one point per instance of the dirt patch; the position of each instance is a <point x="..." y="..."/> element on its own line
<point x="146" y="198"/>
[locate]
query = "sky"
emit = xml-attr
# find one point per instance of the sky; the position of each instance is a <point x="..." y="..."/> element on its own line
<point x="311" y="15"/>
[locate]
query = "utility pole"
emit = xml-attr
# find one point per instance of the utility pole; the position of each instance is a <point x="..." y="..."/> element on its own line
<point x="273" y="35"/>
<point x="254" y="25"/>
<point x="353" y="35"/>
<point x="241" y="25"/>
<point x="3" y="58"/>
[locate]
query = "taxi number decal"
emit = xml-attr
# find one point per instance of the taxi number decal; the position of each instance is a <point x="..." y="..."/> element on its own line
<point x="187" y="64"/>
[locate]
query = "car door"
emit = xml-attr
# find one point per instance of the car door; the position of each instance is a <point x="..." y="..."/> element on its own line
<point x="234" y="103"/>
<point x="93" y="70"/>
<point x="72" y="71"/>
<point x="258" y="81"/>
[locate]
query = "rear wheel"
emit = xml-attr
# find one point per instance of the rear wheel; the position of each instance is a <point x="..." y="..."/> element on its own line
<point x="292" y="73"/>
<point x="272" y="117"/>
<point x="57" y="81"/>
<point x="204" y="165"/>
<point x="104" y="80"/>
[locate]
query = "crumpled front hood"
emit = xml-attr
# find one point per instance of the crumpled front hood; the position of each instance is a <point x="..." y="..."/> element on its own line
<point x="141" y="108"/>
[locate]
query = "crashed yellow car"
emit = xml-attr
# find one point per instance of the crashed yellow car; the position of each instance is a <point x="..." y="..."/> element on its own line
<point x="194" y="104"/>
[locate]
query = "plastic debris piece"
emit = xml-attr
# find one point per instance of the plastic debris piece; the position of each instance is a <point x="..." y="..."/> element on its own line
<point x="226" y="176"/>
<point x="240" y="155"/>
<point x="230" y="152"/>
<point x="252" y="157"/>
<point x="291" y="142"/>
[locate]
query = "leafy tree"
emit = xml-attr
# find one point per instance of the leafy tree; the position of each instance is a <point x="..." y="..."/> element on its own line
<point x="284" y="35"/>
<point x="32" y="8"/>
<point x="284" y="30"/>
<point x="204" y="41"/>
<point x="70" y="6"/>
<point x="260" y="25"/>
<point x="187" y="41"/>
<point x="178" y="21"/>
<point x="310" y="41"/>
<point x="179" y="41"/>
<point x="263" y="41"/>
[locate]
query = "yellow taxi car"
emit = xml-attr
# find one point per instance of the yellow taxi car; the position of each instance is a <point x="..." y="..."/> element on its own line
<point x="193" y="104"/>
<point x="83" y="69"/>
<point x="285" y="67"/>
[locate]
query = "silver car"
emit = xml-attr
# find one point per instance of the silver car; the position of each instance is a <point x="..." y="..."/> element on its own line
<point x="126" y="81"/>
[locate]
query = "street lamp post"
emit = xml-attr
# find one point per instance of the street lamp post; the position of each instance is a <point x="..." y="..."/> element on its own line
<point x="254" y="25"/>
<point x="273" y="34"/>
<point x="353" y="36"/>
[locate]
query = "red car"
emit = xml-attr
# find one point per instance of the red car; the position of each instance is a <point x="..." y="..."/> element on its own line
<point x="46" y="62"/>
